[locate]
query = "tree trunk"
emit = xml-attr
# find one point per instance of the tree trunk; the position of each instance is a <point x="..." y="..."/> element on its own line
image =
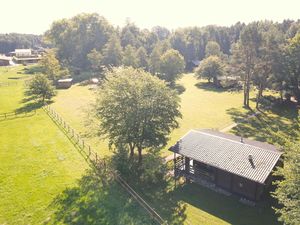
<point x="259" y="95"/>
<point x="131" y="148"/>
<point x="248" y="91"/>
<point x="140" y="155"/>
<point x="281" y="95"/>
<point x="245" y="95"/>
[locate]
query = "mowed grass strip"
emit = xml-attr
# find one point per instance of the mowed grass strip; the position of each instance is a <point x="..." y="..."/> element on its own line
<point x="39" y="166"/>
<point x="37" y="163"/>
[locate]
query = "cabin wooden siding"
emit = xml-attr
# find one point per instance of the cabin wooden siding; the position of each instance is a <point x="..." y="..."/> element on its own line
<point x="228" y="181"/>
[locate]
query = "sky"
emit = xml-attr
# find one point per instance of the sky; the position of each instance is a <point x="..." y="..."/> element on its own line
<point x="36" y="16"/>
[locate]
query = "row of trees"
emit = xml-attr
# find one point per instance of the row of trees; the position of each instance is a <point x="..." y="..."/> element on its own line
<point x="9" y="42"/>
<point x="259" y="53"/>
<point x="263" y="57"/>
<point x="76" y="37"/>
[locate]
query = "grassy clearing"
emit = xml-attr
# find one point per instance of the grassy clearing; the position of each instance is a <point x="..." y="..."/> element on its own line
<point x="11" y="88"/>
<point x="43" y="176"/>
<point x="200" y="107"/>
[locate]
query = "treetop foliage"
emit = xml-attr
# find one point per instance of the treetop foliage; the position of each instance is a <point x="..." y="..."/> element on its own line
<point x="136" y="110"/>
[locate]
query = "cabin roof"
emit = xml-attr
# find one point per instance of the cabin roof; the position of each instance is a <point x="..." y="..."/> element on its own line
<point x="250" y="159"/>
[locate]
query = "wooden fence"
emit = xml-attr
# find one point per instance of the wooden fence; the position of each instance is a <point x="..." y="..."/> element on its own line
<point x="99" y="164"/>
<point x="13" y="115"/>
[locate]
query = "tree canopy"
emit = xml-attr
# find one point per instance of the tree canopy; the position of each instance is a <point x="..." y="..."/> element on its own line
<point x="136" y="110"/>
<point x="210" y="68"/>
<point x="288" y="189"/>
<point x="51" y="67"/>
<point x="40" y="88"/>
<point x="171" y="66"/>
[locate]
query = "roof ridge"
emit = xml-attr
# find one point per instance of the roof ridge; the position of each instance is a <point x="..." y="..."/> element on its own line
<point x="227" y="139"/>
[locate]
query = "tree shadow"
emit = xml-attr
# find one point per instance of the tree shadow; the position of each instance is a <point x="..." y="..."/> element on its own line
<point x="265" y="125"/>
<point x="92" y="202"/>
<point x="179" y="88"/>
<point x="29" y="105"/>
<point x="227" y="208"/>
<point x="214" y="88"/>
<point x="150" y="180"/>
<point x="33" y="69"/>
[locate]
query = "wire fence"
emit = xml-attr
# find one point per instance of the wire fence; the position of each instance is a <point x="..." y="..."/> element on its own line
<point x="13" y="115"/>
<point x="98" y="163"/>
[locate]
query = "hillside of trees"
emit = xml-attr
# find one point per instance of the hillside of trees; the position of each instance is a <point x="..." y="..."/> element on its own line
<point x="261" y="54"/>
<point x="9" y="42"/>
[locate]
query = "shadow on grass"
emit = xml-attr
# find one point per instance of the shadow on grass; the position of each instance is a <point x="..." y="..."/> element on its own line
<point x="223" y="207"/>
<point x="149" y="180"/>
<point x="274" y="128"/>
<point x="29" y="107"/>
<point x="212" y="87"/>
<point x="33" y="69"/>
<point x="179" y="88"/>
<point x="91" y="202"/>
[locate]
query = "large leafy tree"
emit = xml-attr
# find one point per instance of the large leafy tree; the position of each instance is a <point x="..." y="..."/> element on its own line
<point x="159" y="49"/>
<point x="76" y="37"/>
<point x="112" y="52"/>
<point x="171" y="66"/>
<point x="95" y="58"/>
<point x="130" y="57"/>
<point x="210" y="68"/>
<point x="267" y="62"/>
<point x="51" y="66"/>
<point x="142" y="58"/>
<point x="136" y="110"/>
<point x="212" y="48"/>
<point x="245" y="56"/>
<point x="292" y="59"/>
<point x="40" y="88"/>
<point x="288" y="189"/>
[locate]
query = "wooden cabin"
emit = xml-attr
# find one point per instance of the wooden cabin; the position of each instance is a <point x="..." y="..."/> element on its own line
<point x="238" y="165"/>
<point x="64" y="83"/>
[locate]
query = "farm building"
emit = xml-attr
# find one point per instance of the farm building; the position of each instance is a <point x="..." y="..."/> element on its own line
<point x="234" y="164"/>
<point x="28" y="60"/>
<point x="24" y="56"/>
<point x="4" y="61"/>
<point x="64" y="83"/>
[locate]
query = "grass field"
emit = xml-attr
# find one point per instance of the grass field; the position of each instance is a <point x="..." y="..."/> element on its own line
<point x="201" y="108"/>
<point x="42" y="175"/>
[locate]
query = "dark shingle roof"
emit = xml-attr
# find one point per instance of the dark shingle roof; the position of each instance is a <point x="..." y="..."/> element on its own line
<point x="228" y="153"/>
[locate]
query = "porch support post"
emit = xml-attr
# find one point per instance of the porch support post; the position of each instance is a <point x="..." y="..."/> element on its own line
<point x="174" y="160"/>
<point x="187" y="168"/>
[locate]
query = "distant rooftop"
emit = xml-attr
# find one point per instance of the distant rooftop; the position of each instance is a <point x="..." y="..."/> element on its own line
<point x="230" y="153"/>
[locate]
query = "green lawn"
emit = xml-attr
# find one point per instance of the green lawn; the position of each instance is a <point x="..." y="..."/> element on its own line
<point x="201" y="107"/>
<point x="40" y="167"/>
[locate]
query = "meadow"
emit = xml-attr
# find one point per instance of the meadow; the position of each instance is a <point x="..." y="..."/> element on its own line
<point x="201" y="107"/>
<point x="40" y="167"/>
<point x="44" y="179"/>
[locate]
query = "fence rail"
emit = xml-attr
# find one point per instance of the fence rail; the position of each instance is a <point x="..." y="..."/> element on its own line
<point x="98" y="163"/>
<point x="12" y="115"/>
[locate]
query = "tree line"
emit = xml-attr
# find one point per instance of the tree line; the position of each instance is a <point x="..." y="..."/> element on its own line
<point x="10" y="42"/>
<point x="261" y="53"/>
